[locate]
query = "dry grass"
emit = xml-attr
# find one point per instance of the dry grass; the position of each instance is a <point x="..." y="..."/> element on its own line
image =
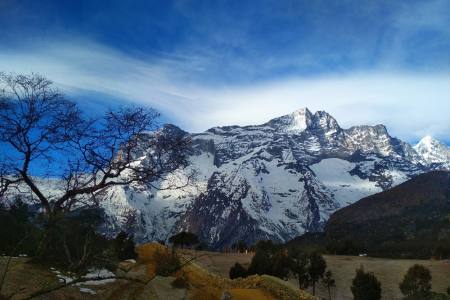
<point x="24" y="278"/>
<point x="390" y="272"/>
<point x="158" y="259"/>
<point x="274" y="288"/>
<point x="206" y="293"/>
<point x="245" y="294"/>
<point x="147" y="253"/>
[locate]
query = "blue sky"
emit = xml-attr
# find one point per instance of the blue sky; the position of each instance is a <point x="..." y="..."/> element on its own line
<point x="207" y="63"/>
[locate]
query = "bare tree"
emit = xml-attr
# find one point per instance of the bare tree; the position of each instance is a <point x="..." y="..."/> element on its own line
<point x="88" y="155"/>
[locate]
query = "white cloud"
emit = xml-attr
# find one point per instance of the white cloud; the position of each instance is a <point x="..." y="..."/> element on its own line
<point x="410" y="105"/>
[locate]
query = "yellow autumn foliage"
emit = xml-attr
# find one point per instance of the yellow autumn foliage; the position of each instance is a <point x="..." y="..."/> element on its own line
<point x="208" y="286"/>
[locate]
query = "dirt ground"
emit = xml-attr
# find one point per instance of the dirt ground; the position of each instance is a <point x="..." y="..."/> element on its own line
<point x="390" y="272"/>
<point x="137" y="280"/>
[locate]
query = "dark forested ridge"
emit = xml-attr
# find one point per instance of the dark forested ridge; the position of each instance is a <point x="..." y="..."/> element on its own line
<point x="410" y="220"/>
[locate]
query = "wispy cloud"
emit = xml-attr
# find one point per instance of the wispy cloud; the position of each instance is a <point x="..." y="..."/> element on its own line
<point x="235" y="62"/>
<point x="410" y="104"/>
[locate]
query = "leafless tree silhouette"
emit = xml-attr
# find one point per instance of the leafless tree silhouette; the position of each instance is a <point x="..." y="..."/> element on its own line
<point x="37" y="123"/>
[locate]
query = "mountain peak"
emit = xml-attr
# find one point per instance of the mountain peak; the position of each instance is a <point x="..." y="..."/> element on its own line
<point x="325" y="121"/>
<point x="428" y="141"/>
<point x="301" y="111"/>
<point x="294" y="122"/>
<point x="432" y="150"/>
<point x="300" y="119"/>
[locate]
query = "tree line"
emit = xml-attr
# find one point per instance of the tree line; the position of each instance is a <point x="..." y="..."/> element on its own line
<point x="310" y="268"/>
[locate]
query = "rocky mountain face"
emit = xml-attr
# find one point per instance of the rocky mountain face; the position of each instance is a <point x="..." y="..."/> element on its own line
<point x="271" y="181"/>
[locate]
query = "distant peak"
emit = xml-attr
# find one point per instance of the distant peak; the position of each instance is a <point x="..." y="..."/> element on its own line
<point x="432" y="150"/>
<point x="427" y="141"/>
<point x="302" y="111"/>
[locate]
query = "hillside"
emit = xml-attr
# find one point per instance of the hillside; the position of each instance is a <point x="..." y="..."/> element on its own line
<point x="411" y="219"/>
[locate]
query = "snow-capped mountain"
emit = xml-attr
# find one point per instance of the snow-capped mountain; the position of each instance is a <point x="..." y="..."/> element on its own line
<point x="432" y="151"/>
<point x="271" y="181"/>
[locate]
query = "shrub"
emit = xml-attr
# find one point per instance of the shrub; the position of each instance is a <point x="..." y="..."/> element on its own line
<point x="416" y="282"/>
<point x="71" y="242"/>
<point x="365" y="286"/>
<point x="159" y="259"/>
<point x="206" y="293"/>
<point x="184" y="239"/>
<point x="166" y="263"/>
<point x="146" y="252"/>
<point x="237" y="271"/>
<point x="180" y="281"/>
<point x="18" y="235"/>
<point x="124" y="247"/>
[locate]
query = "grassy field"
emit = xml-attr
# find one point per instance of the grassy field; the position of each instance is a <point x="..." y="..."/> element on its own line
<point x="389" y="271"/>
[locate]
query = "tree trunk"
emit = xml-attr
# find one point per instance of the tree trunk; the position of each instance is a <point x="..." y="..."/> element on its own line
<point x="329" y="292"/>
<point x="314" y="287"/>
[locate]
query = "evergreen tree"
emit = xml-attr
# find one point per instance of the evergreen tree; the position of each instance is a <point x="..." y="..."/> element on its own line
<point x="263" y="260"/>
<point x="280" y="264"/>
<point x="300" y="267"/>
<point x="317" y="267"/>
<point x="329" y="282"/>
<point x="365" y="286"/>
<point x="416" y="282"/>
<point x="237" y="271"/>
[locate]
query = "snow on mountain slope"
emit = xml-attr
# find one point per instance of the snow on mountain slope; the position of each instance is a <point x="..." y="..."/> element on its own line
<point x="153" y="212"/>
<point x="295" y="122"/>
<point x="432" y="151"/>
<point x="334" y="173"/>
<point x="271" y="181"/>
